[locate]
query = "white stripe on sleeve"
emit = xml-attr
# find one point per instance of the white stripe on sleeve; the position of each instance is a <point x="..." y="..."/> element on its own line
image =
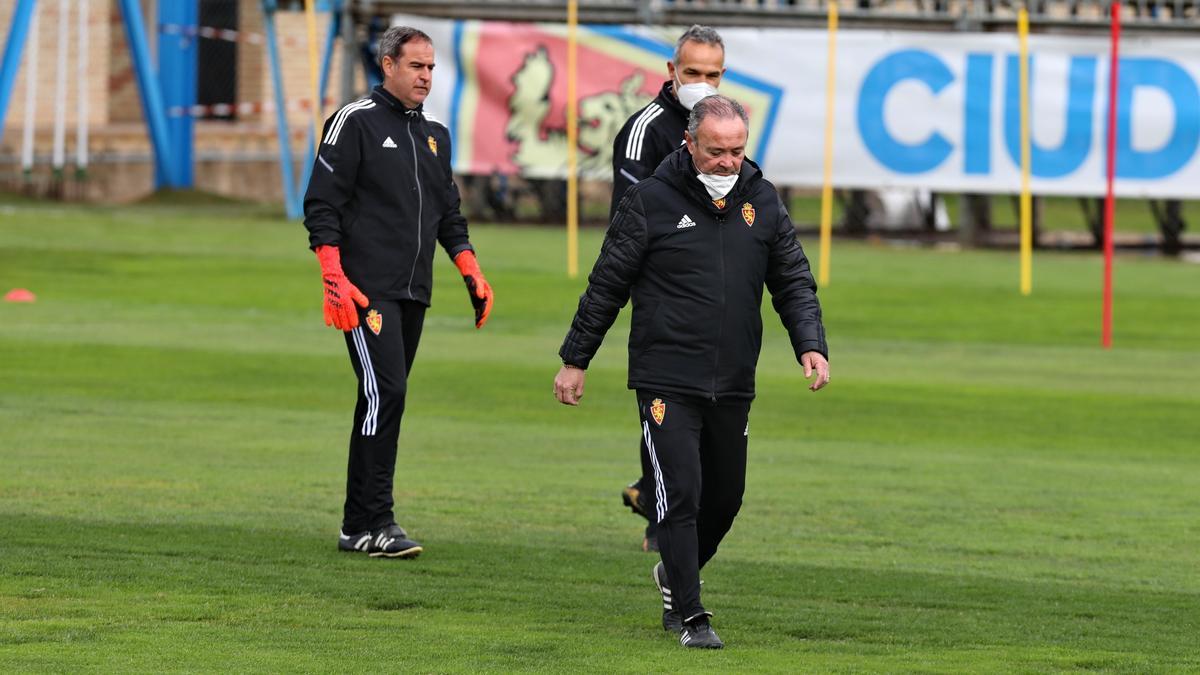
<point x="642" y="136"/>
<point x="638" y="128"/>
<point x="340" y="120"/>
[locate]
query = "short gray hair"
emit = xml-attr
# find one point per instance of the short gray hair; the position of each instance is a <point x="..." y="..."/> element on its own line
<point x="697" y="33"/>
<point x="394" y="39"/>
<point x="721" y="107"/>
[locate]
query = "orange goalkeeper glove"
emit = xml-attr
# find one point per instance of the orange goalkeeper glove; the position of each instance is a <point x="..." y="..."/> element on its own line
<point x="340" y="294"/>
<point x="477" y="287"/>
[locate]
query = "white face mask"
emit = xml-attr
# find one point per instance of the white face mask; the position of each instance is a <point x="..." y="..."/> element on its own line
<point x="717" y="186"/>
<point x="691" y="94"/>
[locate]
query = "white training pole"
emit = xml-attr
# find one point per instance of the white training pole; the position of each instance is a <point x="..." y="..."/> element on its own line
<point x="81" y="104"/>
<point x="60" y="87"/>
<point x="31" y="82"/>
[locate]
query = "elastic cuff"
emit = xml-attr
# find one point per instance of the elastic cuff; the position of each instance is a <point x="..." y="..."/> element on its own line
<point x="579" y="363"/>
<point x="811" y="346"/>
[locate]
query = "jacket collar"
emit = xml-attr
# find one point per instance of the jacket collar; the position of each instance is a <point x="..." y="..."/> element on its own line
<point x="679" y="170"/>
<point x="381" y="95"/>
<point x="667" y="99"/>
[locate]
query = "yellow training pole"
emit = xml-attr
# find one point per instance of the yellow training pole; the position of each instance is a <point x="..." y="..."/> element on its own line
<point x="310" y="16"/>
<point x="1026" y="161"/>
<point x="572" y="145"/>
<point x="827" y="184"/>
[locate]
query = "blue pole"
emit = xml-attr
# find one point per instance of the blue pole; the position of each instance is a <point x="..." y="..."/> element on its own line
<point x="177" y="58"/>
<point x="290" y="200"/>
<point x="326" y="59"/>
<point x="12" y="54"/>
<point x="334" y="7"/>
<point x="335" y="27"/>
<point x="152" y="101"/>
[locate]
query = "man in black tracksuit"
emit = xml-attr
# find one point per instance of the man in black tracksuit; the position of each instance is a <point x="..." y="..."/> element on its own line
<point x="381" y="198"/>
<point x="648" y="136"/>
<point x="693" y="246"/>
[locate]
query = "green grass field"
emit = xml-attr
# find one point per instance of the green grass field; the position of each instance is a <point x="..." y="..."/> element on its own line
<point x="1131" y="216"/>
<point x="981" y="488"/>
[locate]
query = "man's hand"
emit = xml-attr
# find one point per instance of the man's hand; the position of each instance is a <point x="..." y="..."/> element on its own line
<point x="813" y="361"/>
<point x="477" y="287"/>
<point x="340" y="294"/>
<point x="568" y="385"/>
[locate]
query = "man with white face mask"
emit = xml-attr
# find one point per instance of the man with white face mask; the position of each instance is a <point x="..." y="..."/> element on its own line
<point x="693" y="246"/>
<point x="647" y="138"/>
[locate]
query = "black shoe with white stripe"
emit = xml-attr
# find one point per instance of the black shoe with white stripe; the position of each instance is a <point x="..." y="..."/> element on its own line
<point x="351" y="543"/>
<point x="698" y="633"/>
<point x="387" y="542"/>
<point x="671" y="620"/>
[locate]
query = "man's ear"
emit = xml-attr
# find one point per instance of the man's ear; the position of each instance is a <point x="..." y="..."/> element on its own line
<point x="691" y="142"/>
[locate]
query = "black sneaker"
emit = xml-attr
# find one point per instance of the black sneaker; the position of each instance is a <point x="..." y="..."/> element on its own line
<point x="631" y="497"/>
<point x="388" y="542"/>
<point x="393" y="542"/>
<point x="670" y="619"/>
<point x="354" y="543"/>
<point x="698" y="633"/>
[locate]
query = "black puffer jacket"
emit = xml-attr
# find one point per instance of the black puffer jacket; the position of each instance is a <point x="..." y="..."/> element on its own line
<point x="382" y="191"/>
<point x="695" y="270"/>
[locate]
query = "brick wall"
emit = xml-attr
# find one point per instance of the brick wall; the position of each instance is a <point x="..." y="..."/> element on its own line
<point x="95" y="61"/>
<point x="124" y="103"/>
<point x="255" y="67"/>
<point x="116" y="127"/>
<point x="254" y="77"/>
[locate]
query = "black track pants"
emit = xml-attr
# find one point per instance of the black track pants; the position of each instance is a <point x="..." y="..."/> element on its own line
<point x="645" y="485"/>
<point x="382" y="350"/>
<point x="698" y="452"/>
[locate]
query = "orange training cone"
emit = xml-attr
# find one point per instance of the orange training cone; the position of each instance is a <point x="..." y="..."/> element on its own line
<point x="20" y="295"/>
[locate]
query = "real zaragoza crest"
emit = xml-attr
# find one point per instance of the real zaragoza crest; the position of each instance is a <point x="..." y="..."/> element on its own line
<point x="374" y="321"/>
<point x="748" y="213"/>
<point x="658" y="410"/>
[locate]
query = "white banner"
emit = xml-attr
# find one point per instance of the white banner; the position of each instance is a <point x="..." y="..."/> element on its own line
<point x="935" y="111"/>
<point x="941" y="111"/>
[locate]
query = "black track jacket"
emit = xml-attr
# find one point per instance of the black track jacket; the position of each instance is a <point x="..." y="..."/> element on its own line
<point x="695" y="271"/>
<point x="382" y="191"/>
<point x="645" y="141"/>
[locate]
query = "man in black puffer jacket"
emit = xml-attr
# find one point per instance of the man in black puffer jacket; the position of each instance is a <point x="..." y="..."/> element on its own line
<point x="693" y="246"/>
<point x="652" y="133"/>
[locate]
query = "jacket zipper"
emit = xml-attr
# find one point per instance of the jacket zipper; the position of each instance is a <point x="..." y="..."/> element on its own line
<point x="721" y="320"/>
<point x="420" y="205"/>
